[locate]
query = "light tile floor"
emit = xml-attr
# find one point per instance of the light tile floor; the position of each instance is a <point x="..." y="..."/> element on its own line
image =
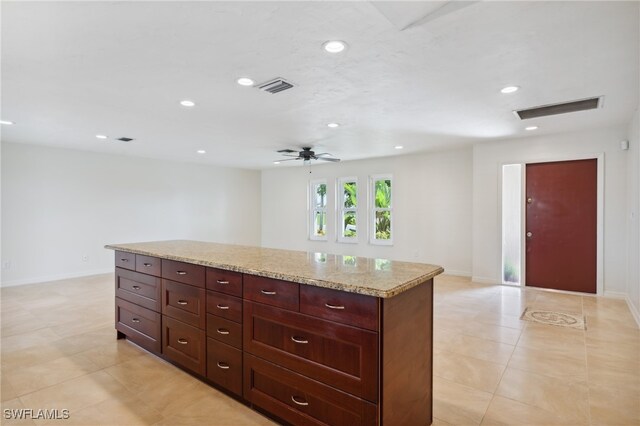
<point x="59" y="351"/>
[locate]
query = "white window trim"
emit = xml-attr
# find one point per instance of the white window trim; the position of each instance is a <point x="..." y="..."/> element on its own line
<point x="341" y="210"/>
<point x="311" y="209"/>
<point x="373" y="209"/>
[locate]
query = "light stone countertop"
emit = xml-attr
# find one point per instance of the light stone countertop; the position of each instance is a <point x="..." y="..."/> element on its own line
<point x="372" y="277"/>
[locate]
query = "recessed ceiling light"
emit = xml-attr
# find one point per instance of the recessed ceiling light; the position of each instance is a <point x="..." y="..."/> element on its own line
<point x="8" y="123"/>
<point x="531" y="128"/>
<point x="333" y="125"/>
<point x="187" y="103"/>
<point x="398" y="147"/>
<point x="101" y="136"/>
<point x="510" y="89"/>
<point x="334" y="46"/>
<point x="276" y="162"/>
<point x="245" y="81"/>
<point x="201" y="151"/>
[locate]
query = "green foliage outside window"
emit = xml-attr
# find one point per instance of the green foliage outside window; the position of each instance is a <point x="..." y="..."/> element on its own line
<point x="383" y="217"/>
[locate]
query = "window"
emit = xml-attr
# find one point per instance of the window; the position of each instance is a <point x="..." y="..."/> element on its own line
<point x="511" y="223"/>
<point x="347" y="210"/>
<point x="381" y="210"/>
<point x="318" y="209"/>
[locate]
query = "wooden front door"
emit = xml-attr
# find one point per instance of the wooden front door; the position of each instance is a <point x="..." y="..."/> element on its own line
<point x="561" y="225"/>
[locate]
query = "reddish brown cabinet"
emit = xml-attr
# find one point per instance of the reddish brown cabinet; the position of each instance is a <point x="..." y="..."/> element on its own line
<point x="304" y="354"/>
<point x="338" y="355"/>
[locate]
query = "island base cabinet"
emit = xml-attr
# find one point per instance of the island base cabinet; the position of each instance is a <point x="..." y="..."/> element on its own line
<point x="224" y="366"/>
<point x="300" y="400"/>
<point x="184" y="344"/>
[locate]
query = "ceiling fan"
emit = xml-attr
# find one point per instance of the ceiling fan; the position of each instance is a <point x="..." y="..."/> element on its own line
<point x="306" y="155"/>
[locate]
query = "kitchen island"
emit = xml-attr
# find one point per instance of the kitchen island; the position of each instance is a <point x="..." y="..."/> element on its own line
<point x="309" y="338"/>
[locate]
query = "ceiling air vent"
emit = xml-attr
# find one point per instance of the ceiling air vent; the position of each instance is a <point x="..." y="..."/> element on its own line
<point x="124" y="139"/>
<point x="275" y="86"/>
<point x="561" y="108"/>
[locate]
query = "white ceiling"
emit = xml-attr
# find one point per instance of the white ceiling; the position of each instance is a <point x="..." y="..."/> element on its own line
<point x="425" y="76"/>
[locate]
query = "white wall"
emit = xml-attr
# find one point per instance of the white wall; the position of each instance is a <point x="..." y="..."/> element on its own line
<point x="633" y="215"/>
<point x="59" y="204"/>
<point x="432" y="207"/>
<point x="487" y="162"/>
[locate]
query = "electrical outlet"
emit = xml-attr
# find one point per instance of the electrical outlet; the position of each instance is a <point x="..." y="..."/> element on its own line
<point x="85" y="257"/>
<point x="6" y="265"/>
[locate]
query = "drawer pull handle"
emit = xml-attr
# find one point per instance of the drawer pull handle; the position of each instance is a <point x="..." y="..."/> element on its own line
<point x="182" y="341"/>
<point x="222" y="282"/>
<point x="181" y="272"/>
<point x="299" y="339"/>
<point x="223" y="331"/>
<point x="124" y="260"/>
<point x="267" y="292"/>
<point x="222" y="306"/>
<point x="330" y="306"/>
<point x="223" y="365"/>
<point x="136" y="287"/>
<point x="182" y="302"/>
<point x="135" y="320"/>
<point x="295" y="400"/>
<point x="147" y="264"/>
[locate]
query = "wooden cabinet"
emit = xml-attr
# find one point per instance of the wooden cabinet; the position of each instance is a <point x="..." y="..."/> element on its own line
<point x="184" y="344"/>
<point x="306" y="355"/>
<point x="340" y="356"/>
<point x="141" y="325"/>
<point x="300" y="400"/>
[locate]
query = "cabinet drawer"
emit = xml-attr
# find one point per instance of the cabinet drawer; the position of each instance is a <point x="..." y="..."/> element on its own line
<point x="125" y="260"/>
<point x="228" y="282"/>
<point x="184" y="344"/>
<point x="139" y="324"/>
<point x="225" y="331"/>
<point x="347" y="308"/>
<point x="283" y="294"/>
<point x="225" y="306"/>
<point x="224" y="366"/>
<point x="141" y="289"/>
<point x="337" y="355"/>
<point x="187" y="273"/>
<point x="300" y="400"/>
<point x="184" y="302"/>
<point x="148" y="265"/>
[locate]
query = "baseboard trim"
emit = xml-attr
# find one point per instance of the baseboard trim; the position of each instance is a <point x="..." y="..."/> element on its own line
<point x="47" y="278"/>
<point x="485" y="280"/>
<point x="457" y="273"/>
<point x="615" y="294"/>
<point x="632" y="308"/>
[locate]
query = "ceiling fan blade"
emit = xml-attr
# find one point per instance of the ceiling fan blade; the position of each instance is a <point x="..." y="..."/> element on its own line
<point x="323" y="154"/>
<point x="291" y="155"/>
<point x="286" y="150"/>
<point x="290" y="159"/>
<point x="328" y="159"/>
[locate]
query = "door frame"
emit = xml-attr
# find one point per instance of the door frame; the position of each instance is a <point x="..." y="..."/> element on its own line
<point x="599" y="157"/>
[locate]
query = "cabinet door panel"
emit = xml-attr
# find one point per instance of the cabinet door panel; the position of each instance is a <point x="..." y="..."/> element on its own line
<point x="184" y="344"/>
<point x="224" y="366"/>
<point x="338" y="355"/>
<point x="140" y="325"/>
<point x="184" y="302"/>
<point x="141" y="289"/>
<point x="300" y="400"/>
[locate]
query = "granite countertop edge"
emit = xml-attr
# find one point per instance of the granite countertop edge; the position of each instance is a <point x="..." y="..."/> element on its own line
<point x="350" y="288"/>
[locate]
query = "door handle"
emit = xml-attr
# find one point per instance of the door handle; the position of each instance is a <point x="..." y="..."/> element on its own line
<point x="529" y="234"/>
